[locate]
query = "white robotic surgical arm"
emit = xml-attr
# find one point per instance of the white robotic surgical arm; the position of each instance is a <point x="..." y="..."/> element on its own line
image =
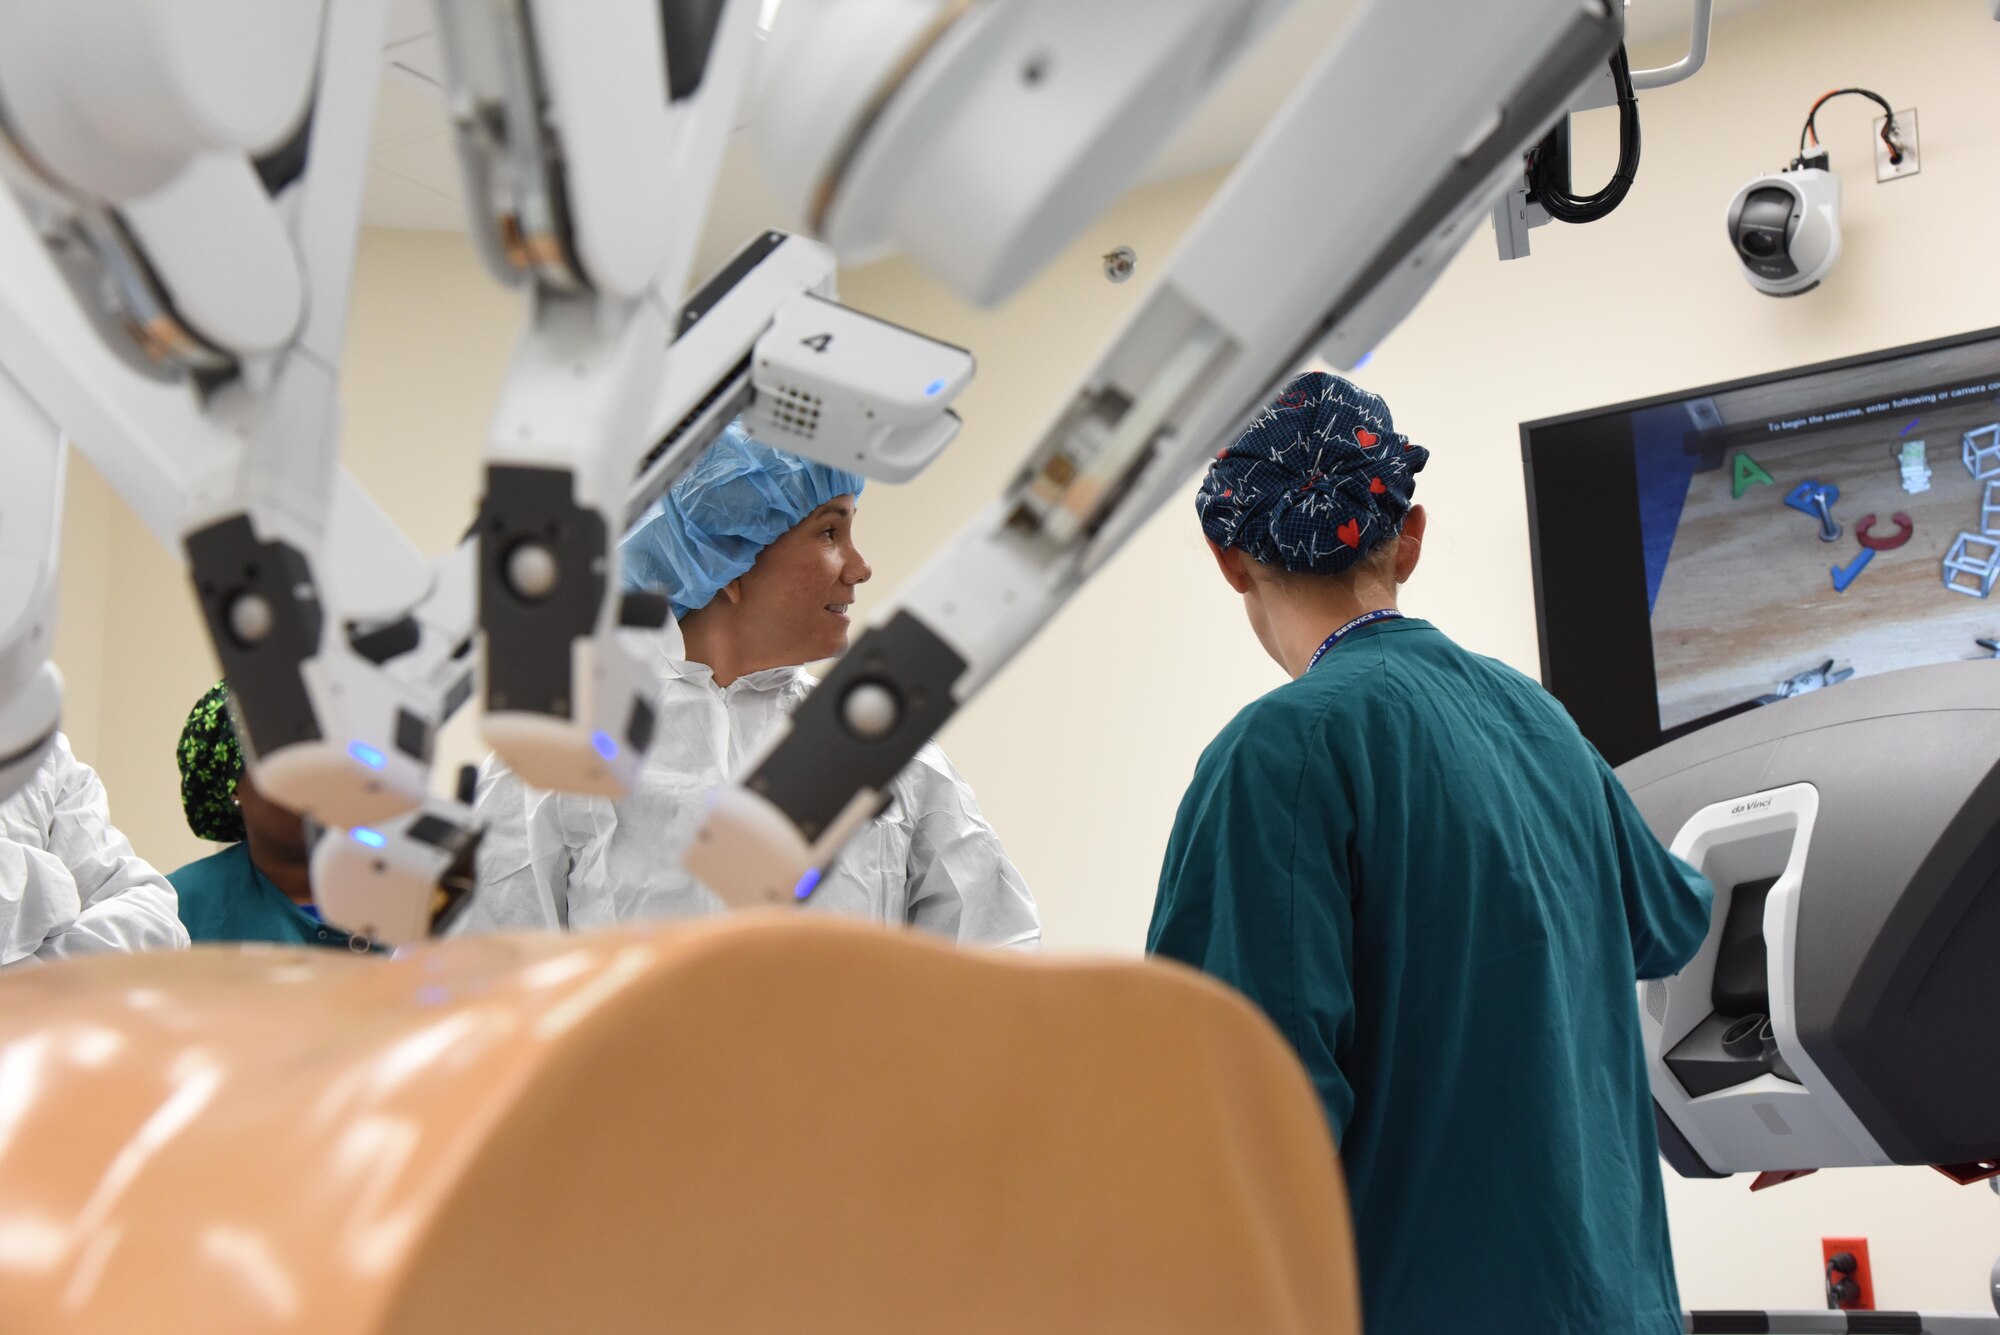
<point x="766" y="339"/>
<point x="32" y="459"/>
<point x="590" y="138"/>
<point x="183" y="185"/>
<point x="1319" y="242"/>
<point x="738" y="349"/>
<point x="979" y="138"/>
<point x="203" y="210"/>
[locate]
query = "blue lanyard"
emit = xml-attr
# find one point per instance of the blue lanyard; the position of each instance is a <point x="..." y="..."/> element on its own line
<point x="1383" y="614"/>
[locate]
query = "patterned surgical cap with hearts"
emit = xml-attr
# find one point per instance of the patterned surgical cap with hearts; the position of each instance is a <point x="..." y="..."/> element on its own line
<point x="1315" y="481"/>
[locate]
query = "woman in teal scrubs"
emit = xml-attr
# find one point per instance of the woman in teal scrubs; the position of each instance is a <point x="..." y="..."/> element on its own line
<point x="258" y="888"/>
<point x="1432" y="884"/>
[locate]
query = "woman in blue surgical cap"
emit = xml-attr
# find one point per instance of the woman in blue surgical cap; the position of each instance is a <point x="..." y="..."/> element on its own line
<point x="1411" y="859"/>
<point x="754" y="548"/>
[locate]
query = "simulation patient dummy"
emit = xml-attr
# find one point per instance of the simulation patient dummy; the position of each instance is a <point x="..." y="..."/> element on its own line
<point x="260" y="887"/>
<point x="70" y="883"/>
<point x="745" y="1125"/>
<point x="755" y="550"/>
<point x="1411" y="859"/>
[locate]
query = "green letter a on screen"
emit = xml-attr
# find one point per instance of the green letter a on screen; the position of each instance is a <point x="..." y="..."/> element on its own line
<point x="1749" y="473"/>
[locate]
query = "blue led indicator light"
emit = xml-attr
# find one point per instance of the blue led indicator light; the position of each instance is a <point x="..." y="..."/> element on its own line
<point x="935" y="388"/>
<point x="366" y="754"/>
<point x="807" y="884"/>
<point x="605" y="746"/>
<point x="1366" y="358"/>
<point x="363" y="835"/>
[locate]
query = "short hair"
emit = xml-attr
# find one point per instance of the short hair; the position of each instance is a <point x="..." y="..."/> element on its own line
<point x="1378" y="561"/>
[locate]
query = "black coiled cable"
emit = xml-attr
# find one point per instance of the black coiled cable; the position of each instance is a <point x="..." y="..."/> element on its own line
<point x="1565" y="207"/>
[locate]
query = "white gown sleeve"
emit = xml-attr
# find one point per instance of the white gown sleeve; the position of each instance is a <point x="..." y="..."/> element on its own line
<point x="37" y="900"/>
<point x="523" y="864"/>
<point x="125" y="904"/>
<point x="961" y="883"/>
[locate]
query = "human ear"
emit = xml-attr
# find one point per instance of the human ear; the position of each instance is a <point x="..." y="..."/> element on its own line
<point x="1411" y="549"/>
<point x="1231" y="561"/>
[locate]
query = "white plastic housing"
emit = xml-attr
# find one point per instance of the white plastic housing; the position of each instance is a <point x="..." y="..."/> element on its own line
<point x="604" y="67"/>
<point x="824" y="66"/>
<point x="112" y="97"/>
<point x="980" y="138"/>
<point x="356" y="774"/>
<point x="223" y="256"/>
<point x="1812" y="237"/>
<point x="376" y="883"/>
<point x="748" y="853"/>
<point x="327" y="782"/>
<point x="855" y="392"/>
<point x="631" y="170"/>
<point x="587" y="752"/>
<point x="707" y="379"/>
<point x="1767" y="1123"/>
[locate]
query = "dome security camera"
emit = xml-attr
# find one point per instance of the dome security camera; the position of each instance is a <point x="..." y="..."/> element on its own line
<point x="1785" y="228"/>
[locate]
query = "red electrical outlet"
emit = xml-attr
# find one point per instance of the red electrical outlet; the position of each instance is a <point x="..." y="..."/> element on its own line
<point x="1846" y="1262"/>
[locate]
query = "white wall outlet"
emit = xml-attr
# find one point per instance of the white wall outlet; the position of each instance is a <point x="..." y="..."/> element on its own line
<point x="1906" y="139"/>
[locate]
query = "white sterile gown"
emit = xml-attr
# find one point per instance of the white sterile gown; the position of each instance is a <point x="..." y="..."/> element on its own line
<point x="554" y="860"/>
<point x="70" y="883"/>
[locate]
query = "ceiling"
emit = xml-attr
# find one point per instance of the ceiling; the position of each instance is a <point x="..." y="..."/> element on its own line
<point x="413" y="173"/>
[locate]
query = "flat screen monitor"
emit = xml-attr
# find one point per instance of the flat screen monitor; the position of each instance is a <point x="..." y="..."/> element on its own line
<point x="1718" y="549"/>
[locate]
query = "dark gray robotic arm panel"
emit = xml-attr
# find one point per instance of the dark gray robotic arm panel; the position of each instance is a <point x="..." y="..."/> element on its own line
<point x="1898" y="949"/>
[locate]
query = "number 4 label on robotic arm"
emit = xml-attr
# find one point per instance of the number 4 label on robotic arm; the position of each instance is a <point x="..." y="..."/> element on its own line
<point x="854" y="392"/>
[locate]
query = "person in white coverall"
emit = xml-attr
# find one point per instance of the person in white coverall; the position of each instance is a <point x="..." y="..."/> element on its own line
<point x="70" y="883"/>
<point x="754" y="548"/>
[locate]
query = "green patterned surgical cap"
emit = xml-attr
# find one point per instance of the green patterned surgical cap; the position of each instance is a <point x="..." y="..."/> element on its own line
<point x="211" y="761"/>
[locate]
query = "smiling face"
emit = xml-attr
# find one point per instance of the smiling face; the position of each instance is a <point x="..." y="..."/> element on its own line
<point x="796" y="601"/>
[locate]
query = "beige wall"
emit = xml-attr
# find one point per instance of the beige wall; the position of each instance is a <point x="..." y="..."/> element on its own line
<point x="1080" y="751"/>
